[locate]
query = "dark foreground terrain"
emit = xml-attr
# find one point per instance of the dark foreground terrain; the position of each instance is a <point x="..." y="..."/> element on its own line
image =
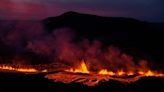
<point x="17" y="82"/>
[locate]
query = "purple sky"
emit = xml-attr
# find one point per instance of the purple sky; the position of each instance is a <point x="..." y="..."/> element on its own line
<point x="150" y="10"/>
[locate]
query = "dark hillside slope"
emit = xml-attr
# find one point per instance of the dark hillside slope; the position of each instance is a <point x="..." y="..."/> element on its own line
<point x="140" y="38"/>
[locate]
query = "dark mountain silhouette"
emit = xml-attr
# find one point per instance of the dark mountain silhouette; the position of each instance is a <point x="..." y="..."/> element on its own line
<point x="134" y="36"/>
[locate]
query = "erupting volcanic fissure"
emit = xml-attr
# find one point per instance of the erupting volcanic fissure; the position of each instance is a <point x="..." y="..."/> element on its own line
<point x="91" y="78"/>
<point x="71" y="60"/>
<point x="90" y="64"/>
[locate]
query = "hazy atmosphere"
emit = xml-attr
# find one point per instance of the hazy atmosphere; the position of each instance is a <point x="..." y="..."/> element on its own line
<point x="149" y="10"/>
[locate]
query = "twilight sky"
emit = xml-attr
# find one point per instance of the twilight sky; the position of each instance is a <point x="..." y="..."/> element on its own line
<point x="149" y="10"/>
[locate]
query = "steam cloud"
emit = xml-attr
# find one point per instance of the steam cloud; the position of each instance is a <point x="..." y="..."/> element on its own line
<point x="62" y="46"/>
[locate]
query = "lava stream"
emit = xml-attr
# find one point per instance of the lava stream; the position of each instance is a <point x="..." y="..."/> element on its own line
<point x="20" y="69"/>
<point x="82" y="74"/>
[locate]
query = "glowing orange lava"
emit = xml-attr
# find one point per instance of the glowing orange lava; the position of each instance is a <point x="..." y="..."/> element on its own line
<point x="81" y="69"/>
<point x="155" y="74"/>
<point x="106" y="72"/>
<point x="25" y="70"/>
<point x="82" y="74"/>
<point x="122" y="73"/>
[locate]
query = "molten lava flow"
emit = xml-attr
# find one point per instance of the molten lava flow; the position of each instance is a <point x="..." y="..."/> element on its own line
<point x="152" y="73"/>
<point x="130" y="73"/>
<point x="81" y="69"/>
<point x="119" y="73"/>
<point x="82" y="74"/>
<point x="22" y="69"/>
<point x="106" y="72"/>
<point x="92" y="79"/>
<point x="122" y="73"/>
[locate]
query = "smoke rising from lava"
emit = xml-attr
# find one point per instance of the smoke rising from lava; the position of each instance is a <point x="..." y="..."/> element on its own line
<point x="65" y="50"/>
<point x="62" y="46"/>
